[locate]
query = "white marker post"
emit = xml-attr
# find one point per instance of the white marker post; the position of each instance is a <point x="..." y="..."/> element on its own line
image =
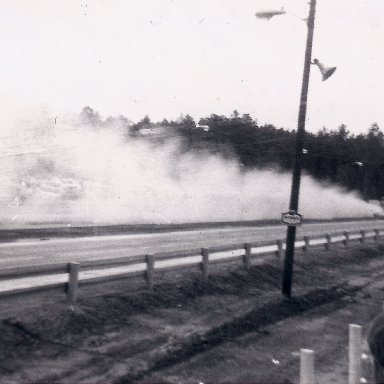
<point x="354" y="354"/>
<point x="307" y="366"/>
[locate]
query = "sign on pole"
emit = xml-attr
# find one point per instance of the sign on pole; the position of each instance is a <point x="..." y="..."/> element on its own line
<point x="291" y="218"/>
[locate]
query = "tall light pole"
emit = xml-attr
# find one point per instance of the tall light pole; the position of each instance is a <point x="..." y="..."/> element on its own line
<point x="296" y="176"/>
<point x="292" y="218"/>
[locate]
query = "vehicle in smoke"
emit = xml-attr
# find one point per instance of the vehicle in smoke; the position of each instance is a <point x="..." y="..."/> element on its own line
<point x="54" y="188"/>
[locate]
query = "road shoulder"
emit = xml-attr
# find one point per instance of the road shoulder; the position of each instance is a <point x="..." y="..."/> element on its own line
<point x="235" y="328"/>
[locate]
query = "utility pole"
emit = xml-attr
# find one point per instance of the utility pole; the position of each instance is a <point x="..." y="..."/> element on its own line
<point x="295" y="188"/>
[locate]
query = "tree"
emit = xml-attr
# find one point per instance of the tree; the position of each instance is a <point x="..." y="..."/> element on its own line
<point x="186" y="122"/>
<point x="145" y="122"/>
<point x="235" y="114"/>
<point x="89" y="116"/>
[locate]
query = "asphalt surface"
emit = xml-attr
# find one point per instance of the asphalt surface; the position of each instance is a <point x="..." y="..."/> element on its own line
<point x="45" y="251"/>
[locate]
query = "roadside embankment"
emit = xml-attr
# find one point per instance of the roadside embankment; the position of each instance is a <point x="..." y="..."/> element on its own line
<point x="235" y="328"/>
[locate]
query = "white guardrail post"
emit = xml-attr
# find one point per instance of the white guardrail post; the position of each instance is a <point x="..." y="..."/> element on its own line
<point x="205" y="263"/>
<point x="362" y="240"/>
<point x="247" y="256"/>
<point x="73" y="282"/>
<point x="346" y="240"/>
<point x="149" y="273"/>
<point x="279" y="252"/>
<point x="377" y="236"/>
<point x="306" y="244"/>
<point x="307" y="366"/>
<point x="354" y="354"/>
<point x="328" y="241"/>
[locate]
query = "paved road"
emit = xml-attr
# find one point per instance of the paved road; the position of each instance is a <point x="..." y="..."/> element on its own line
<point x="32" y="252"/>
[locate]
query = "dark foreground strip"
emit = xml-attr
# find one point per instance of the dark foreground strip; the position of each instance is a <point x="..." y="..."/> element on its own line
<point x="252" y="322"/>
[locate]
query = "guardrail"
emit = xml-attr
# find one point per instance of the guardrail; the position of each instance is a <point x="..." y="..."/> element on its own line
<point x="69" y="276"/>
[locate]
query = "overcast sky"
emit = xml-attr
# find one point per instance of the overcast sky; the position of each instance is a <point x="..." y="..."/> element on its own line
<point x="170" y="57"/>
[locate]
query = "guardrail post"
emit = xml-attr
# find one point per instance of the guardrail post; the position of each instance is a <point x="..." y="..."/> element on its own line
<point x="150" y="259"/>
<point x="376" y="237"/>
<point x="346" y="240"/>
<point x="247" y="256"/>
<point x="279" y="252"/>
<point x="354" y="354"/>
<point x="73" y="282"/>
<point x="307" y="366"/>
<point x="362" y="240"/>
<point x="329" y="241"/>
<point x="205" y="263"/>
<point x="306" y="244"/>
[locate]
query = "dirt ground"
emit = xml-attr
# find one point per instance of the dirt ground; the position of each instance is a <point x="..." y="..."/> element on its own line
<point x="234" y="329"/>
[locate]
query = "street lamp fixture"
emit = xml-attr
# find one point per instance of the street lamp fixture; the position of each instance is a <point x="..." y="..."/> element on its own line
<point x="292" y="218"/>
<point x="326" y="72"/>
<point x="269" y="14"/>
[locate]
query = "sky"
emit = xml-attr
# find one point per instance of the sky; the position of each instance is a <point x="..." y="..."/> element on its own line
<point x="165" y="58"/>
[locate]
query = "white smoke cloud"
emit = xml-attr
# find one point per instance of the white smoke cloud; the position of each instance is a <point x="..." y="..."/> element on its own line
<point x="59" y="169"/>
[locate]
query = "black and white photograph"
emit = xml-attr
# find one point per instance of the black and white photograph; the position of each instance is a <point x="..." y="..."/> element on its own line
<point x="191" y="191"/>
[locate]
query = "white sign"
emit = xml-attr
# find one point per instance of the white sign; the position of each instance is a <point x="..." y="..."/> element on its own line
<point x="291" y="218"/>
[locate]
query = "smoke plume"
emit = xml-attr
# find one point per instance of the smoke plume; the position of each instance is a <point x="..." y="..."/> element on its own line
<point x="62" y="169"/>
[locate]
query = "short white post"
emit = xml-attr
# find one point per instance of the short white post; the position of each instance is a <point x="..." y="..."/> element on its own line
<point x="205" y="263"/>
<point x="247" y="256"/>
<point x="354" y="354"/>
<point x="279" y="252"/>
<point x="307" y="366"/>
<point x="73" y="282"/>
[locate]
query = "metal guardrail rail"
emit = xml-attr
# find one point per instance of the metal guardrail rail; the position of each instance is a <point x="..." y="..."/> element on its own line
<point x="69" y="276"/>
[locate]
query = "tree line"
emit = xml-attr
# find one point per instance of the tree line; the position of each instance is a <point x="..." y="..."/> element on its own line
<point x="355" y="162"/>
